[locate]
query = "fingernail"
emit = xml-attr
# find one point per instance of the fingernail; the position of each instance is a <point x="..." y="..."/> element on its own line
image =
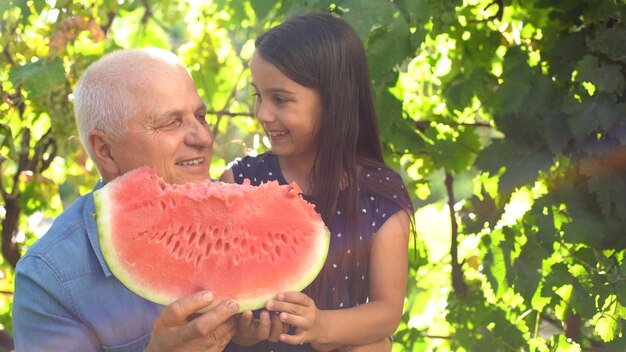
<point x="207" y="297"/>
<point x="232" y="307"/>
<point x="270" y="304"/>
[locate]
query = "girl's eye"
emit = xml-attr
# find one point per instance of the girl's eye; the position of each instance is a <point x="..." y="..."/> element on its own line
<point x="280" y="100"/>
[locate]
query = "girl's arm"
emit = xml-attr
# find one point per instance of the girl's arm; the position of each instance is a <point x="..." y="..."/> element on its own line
<point x="365" y="323"/>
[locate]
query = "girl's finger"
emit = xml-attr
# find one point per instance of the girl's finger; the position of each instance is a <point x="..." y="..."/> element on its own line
<point x="296" y="339"/>
<point x="295" y="320"/>
<point x="245" y="320"/>
<point x="280" y="306"/>
<point x="263" y="327"/>
<point x="295" y="298"/>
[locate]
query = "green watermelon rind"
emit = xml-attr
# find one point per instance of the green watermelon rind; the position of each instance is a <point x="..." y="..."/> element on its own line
<point x="103" y="205"/>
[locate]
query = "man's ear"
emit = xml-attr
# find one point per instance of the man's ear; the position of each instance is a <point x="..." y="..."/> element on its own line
<point x="100" y="144"/>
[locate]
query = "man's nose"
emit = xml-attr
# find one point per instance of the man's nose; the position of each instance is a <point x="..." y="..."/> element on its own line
<point x="199" y="133"/>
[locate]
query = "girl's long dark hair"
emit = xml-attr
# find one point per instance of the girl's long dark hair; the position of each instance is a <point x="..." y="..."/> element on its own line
<point x="321" y="51"/>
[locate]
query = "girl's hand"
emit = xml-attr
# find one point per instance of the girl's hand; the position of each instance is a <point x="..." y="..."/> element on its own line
<point x="327" y="348"/>
<point x="383" y="345"/>
<point x="299" y="310"/>
<point x="251" y="331"/>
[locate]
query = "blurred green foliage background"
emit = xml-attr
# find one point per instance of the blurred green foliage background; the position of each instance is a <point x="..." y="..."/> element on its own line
<point x="507" y="119"/>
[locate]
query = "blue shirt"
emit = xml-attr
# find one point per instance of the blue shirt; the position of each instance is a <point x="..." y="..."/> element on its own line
<point x="66" y="298"/>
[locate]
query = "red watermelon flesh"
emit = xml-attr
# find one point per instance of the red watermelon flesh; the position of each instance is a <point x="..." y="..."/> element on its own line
<point x="240" y="242"/>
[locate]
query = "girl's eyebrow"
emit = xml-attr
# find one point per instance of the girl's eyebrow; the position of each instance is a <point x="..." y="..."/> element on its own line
<point x="276" y="89"/>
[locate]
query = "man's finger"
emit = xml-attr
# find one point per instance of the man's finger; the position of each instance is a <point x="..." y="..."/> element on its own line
<point x="176" y="313"/>
<point x="209" y="321"/>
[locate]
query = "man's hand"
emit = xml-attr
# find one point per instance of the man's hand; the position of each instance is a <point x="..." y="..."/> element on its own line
<point x="175" y="330"/>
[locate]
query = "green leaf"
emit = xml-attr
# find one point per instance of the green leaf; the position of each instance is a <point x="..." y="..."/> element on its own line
<point x="607" y="327"/>
<point x="452" y="149"/>
<point x="558" y="277"/>
<point x="522" y="163"/>
<point x="557" y="132"/>
<point x="610" y="41"/>
<point x="24" y="10"/>
<point x="39" y="77"/>
<point x="607" y="77"/>
<point x="597" y="113"/>
<point x="6" y="140"/>
<point x="517" y="83"/>
<point x="262" y="8"/>
<point x="389" y="45"/>
<point x="585" y="230"/>
<point x="364" y="15"/>
<point x="608" y="188"/>
<point x="528" y="268"/>
<point x="620" y="291"/>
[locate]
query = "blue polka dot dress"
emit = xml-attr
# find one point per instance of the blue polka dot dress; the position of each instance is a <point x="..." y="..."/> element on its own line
<point x="374" y="211"/>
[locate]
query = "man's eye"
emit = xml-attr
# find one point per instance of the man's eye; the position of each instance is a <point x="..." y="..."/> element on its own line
<point x="167" y="124"/>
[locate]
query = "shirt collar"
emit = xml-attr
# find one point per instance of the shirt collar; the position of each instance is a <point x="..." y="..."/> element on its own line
<point x="89" y="217"/>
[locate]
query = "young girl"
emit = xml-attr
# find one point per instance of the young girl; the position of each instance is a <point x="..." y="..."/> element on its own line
<point x="313" y="99"/>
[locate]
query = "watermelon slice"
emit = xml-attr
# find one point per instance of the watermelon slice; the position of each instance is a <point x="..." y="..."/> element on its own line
<point x="240" y="242"/>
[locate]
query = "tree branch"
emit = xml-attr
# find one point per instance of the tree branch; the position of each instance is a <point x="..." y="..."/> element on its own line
<point x="458" y="283"/>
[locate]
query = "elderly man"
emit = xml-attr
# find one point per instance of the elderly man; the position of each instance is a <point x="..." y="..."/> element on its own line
<point x="133" y="108"/>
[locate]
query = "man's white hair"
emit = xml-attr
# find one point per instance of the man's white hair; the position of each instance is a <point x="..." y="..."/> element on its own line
<point x="104" y="99"/>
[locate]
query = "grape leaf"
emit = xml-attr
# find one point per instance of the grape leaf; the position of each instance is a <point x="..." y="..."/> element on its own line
<point x="521" y="162"/>
<point x="607" y="77"/>
<point x="39" y="77"/>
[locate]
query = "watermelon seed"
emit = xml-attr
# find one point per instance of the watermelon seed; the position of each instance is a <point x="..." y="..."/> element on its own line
<point x="169" y="239"/>
<point x="191" y="238"/>
<point x="236" y="240"/>
<point x="207" y="251"/>
<point x="218" y="245"/>
<point x="265" y="247"/>
<point x="190" y="256"/>
<point x="283" y="237"/>
<point x="161" y="237"/>
<point x="176" y="247"/>
<point x="226" y="247"/>
<point x="163" y="205"/>
<point x="201" y="239"/>
<point x="140" y="235"/>
<point x="278" y="251"/>
<point x="252" y="251"/>
<point x="197" y="261"/>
